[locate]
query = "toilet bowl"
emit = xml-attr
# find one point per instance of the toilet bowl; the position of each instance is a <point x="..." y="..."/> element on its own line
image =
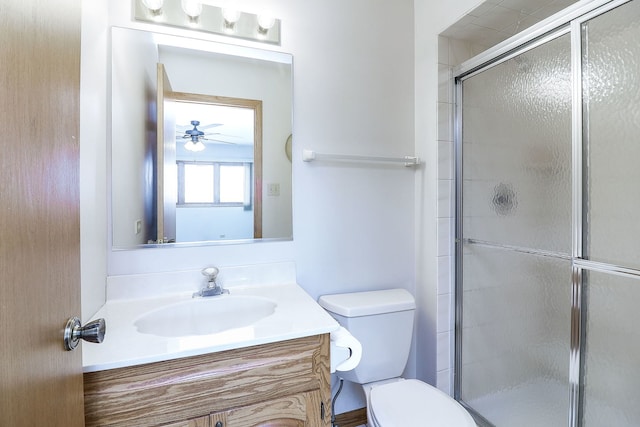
<point x="382" y="321"/>
<point x="413" y="403"/>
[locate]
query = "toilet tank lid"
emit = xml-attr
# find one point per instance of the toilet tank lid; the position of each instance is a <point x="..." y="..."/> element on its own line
<point x="358" y="304"/>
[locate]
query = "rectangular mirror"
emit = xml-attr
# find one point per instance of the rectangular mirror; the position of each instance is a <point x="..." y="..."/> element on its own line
<point x="200" y="141"/>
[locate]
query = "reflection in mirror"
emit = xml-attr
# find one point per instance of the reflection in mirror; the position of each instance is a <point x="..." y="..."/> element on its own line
<point x="215" y="157"/>
<point x="233" y="104"/>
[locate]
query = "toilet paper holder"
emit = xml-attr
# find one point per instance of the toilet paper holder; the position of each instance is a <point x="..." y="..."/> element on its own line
<point x="346" y="350"/>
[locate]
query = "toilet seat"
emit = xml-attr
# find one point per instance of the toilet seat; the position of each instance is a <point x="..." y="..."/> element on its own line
<point x="413" y="403"/>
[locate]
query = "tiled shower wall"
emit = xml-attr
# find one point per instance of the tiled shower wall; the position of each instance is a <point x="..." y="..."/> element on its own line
<point x="451" y="52"/>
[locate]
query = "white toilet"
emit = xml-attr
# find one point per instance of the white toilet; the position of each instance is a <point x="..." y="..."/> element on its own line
<point x="383" y="323"/>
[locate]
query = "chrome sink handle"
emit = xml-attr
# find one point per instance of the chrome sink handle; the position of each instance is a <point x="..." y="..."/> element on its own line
<point x="212" y="288"/>
<point x="211" y="273"/>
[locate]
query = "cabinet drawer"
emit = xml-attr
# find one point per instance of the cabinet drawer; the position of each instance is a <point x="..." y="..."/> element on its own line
<point x="302" y="410"/>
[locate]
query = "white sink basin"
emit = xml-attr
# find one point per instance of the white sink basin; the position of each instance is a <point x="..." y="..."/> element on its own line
<point x="204" y="316"/>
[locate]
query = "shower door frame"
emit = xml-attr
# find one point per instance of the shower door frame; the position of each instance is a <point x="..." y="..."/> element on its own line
<point x="571" y="21"/>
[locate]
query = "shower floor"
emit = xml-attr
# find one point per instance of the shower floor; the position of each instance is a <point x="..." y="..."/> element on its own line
<point x="537" y="403"/>
<point x="543" y="403"/>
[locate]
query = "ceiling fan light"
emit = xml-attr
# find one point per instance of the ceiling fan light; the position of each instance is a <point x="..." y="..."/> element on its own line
<point x="194" y="146"/>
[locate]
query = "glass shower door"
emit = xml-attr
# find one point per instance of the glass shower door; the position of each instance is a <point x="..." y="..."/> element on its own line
<point x="548" y="258"/>
<point x="611" y="109"/>
<point x="515" y="268"/>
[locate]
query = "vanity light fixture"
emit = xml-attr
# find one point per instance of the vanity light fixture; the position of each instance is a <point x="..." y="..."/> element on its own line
<point x="154" y="6"/>
<point x="199" y="15"/>
<point x="192" y="8"/>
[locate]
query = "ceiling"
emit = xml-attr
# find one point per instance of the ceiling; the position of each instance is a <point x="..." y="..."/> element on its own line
<point x="496" y="20"/>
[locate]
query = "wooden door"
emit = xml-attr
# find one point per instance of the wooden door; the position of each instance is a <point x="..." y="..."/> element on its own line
<point x="40" y="382"/>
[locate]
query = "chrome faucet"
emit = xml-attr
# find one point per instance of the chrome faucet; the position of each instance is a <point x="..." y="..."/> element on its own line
<point x="212" y="288"/>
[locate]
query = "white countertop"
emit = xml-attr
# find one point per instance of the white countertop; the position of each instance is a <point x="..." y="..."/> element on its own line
<point x="297" y="315"/>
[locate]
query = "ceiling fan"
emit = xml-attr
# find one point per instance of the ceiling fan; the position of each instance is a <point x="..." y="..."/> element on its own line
<point x="195" y="136"/>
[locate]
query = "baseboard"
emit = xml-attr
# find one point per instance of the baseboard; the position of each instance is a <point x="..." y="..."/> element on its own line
<point x="355" y="418"/>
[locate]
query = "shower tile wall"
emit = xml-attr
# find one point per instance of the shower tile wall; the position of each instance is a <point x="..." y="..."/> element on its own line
<point x="451" y="52"/>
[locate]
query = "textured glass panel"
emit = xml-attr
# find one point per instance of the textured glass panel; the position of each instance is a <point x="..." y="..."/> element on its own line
<point x="611" y="64"/>
<point x="612" y="360"/>
<point x="515" y="337"/>
<point x="517" y="150"/>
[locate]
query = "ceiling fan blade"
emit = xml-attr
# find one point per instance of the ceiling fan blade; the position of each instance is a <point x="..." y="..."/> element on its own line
<point x="212" y="125"/>
<point x="224" y="142"/>
<point x="226" y="135"/>
<point x="180" y="137"/>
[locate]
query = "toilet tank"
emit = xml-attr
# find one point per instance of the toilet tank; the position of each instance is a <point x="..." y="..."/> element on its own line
<point x="383" y="323"/>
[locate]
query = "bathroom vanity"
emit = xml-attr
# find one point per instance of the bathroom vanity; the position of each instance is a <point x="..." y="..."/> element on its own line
<point x="283" y="383"/>
<point x="158" y="367"/>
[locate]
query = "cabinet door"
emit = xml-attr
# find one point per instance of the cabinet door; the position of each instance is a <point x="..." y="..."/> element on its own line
<point x="194" y="422"/>
<point x="301" y="410"/>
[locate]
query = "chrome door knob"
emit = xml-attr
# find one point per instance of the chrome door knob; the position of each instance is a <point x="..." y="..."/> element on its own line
<point x="93" y="331"/>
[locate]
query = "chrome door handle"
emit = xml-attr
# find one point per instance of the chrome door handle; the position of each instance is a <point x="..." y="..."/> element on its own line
<point x="93" y="331"/>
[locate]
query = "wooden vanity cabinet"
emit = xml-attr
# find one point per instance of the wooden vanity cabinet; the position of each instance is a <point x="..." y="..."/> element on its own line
<point x="195" y="422"/>
<point x="284" y="384"/>
<point x="291" y="411"/>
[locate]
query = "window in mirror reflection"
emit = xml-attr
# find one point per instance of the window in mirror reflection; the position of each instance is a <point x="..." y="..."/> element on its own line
<point x="198" y="183"/>
<point x="214" y="184"/>
<point x="232" y="184"/>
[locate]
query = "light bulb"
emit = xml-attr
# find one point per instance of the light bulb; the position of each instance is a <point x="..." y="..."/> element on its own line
<point x="153" y="5"/>
<point x="265" y="22"/>
<point x="231" y="16"/>
<point x="192" y="8"/>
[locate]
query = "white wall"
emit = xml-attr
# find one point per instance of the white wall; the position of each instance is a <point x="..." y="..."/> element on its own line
<point x="364" y="83"/>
